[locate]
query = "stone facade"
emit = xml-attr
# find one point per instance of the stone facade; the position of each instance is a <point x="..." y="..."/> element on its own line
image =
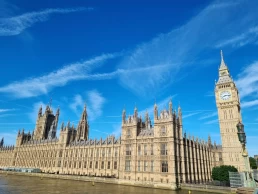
<point x="158" y="154"/>
<point x="229" y="112"/>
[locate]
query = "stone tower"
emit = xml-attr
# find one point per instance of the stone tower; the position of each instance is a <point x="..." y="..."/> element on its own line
<point x="228" y="105"/>
<point x="83" y="127"/>
<point x="46" y="124"/>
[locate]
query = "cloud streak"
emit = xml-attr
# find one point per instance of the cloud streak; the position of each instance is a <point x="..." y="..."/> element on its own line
<point x="247" y="81"/>
<point x="42" y="85"/>
<point x="94" y="100"/>
<point x="15" y="25"/>
<point x="170" y="48"/>
<point x="207" y="116"/>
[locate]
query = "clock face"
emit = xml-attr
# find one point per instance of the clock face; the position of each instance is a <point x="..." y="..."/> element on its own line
<point x="225" y="95"/>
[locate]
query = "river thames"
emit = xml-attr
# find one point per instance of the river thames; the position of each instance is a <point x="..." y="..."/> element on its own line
<point x="12" y="184"/>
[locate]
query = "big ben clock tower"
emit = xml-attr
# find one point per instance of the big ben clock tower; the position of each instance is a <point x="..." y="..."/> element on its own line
<point x="228" y="105"/>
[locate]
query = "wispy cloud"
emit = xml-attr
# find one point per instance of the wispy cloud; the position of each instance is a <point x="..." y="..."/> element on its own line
<point x="241" y="40"/>
<point x="15" y="25"/>
<point x="211" y="122"/>
<point x="170" y="49"/>
<point x="43" y="84"/>
<point x="247" y="104"/>
<point x="94" y="101"/>
<point x="6" y="110"/>
<point x="207" y="116"/>
<point x="247" y="81"/>
<point x="191" y="114"/>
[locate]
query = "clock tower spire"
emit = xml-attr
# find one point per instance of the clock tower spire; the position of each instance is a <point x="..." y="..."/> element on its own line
<point x="229" y="113"/>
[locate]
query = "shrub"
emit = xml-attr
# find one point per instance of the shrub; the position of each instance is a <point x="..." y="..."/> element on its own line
<point x="220" y="173"/>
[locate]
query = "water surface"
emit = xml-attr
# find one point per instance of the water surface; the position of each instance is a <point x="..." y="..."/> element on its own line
<point x="13" y="184"/>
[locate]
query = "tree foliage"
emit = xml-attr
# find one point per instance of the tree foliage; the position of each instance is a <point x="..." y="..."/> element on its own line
<point x="253" y="164"/>
<point x="220" y="173"/>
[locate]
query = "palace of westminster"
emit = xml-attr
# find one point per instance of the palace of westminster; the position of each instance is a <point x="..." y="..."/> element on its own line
<point x="157" y="154"/>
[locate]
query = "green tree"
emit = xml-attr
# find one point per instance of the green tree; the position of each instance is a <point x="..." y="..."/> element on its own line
<point x="252" y="163"/>
<point x="220" y="173"/>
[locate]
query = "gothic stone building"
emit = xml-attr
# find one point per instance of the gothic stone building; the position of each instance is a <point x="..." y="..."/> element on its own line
<point x="157" y="154"/>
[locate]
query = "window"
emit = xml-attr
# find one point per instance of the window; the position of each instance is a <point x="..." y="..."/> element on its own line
<point x="90" y="164"/>
<point x="103" y="152"/>
<point x="109" y="152"/>
<point x="151" y="149"/>
<point x="128" y="150"/>
<point x="97" y="152"/>
<point x="65" y="164"/>
<point x="164" y="166"/>
<point x="60" y="154"/>
<point x="108" y="165"/>
<point x="163" y="130"/>
<point x="115" y="165"/>
<point x="145" y="150"/>
<point x="127" y="165"/>
<point x="145" y="166"/>
<point x="163" y="149"/>
<point x="74" y="164"/>
<point x="152" y="166"/>
<point x="85" y="164"/>
<point x="139" y="150"/>
<point x="139" y="165"/>
<point x="59" y="164"/>
<point x="128" y="133"/>
<point x="80" y="164"/>
<point x="102" y="164"/>
<point x="96" y="165"/>
<point x="115" y="152"/>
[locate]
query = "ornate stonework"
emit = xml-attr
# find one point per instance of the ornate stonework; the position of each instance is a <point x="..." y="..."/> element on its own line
<point x="229" y="113"/>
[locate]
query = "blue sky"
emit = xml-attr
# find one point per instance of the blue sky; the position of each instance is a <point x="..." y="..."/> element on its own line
<point x="112" y="55"/>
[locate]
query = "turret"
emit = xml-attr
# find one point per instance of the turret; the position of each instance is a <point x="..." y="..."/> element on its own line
<point x="146" y="119"/>
<point x="170" y="107"/>
<point x="180" y="114"/>
<point x="209" y="140"/>
<point x="83" y="126"/>
<point x="2" y="142"/>
<point x="155" y="111"/>
<point x="40" y="111"/>
<point x="123" y="116"/>
<point x="135" y="113"/>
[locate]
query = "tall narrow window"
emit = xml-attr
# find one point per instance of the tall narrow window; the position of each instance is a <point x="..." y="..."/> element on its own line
<point x="145" y="166"/>
<point x="115" y="165"/>
<point x="96" y="165"/>
<point x="108" y="166"/>
<point x="128" y="150"/>
<point x="128" y="133"/>
<point x="109" y="152"/>
<point x="152" y="166"/>
<point x="127" y="165"/>
<point x="102" y="164"/>
<point x="115" y="152"/>
<point x="151" y="149"/>
<point x="139" y="150"/>
<point x="103" y="152"/>
<point x="145" y="149"/>
<point x="139" y="165"/>
<point x="164" y="166"/>
<point x="163" y="149"/>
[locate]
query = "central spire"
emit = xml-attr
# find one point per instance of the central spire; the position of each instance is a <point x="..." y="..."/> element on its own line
<point x="222" y="63"/>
